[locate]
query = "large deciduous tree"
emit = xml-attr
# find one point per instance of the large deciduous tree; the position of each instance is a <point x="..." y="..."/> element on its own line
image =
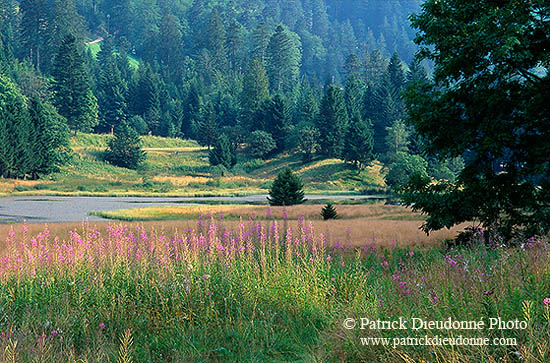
<point x="488" y="102"/>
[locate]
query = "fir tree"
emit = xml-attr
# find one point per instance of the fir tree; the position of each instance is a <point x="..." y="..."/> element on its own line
<point x="124" y="149"/>
<point x="329" y="212"/>
<point x="359" y="142"/>
<point x="223" y="153"/>
<point x="207" y="129"/>
<point x="276" y="119"/>
<point x="73" y="96"/>
<point x="332" y="122"/>
<point x="49" y="138"/>
<point x="287" y="189"/>
<point x="283" y="60"/>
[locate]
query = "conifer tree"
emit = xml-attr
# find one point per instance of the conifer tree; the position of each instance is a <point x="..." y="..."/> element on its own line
<point x="34" y="20"/>
<point x="329" y="212"/>
<point x="283" y="60"/>
<point x="73" y="96"/>
<point x="207" y="129"/>
<point x="359" y="142"/>
<point x="276" y="118"/>
<point x="255" y="91"/>
<point x="332" y="122"/>
<point x="287" y="189"/>
<point x="223" y="153"/>
<point x="124" y="149"/>
<point x="49" y="138"/>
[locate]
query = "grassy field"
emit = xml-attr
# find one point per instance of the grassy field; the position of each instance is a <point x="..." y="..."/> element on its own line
<point x="261" y="291"/>
<point x="179" y="167"/>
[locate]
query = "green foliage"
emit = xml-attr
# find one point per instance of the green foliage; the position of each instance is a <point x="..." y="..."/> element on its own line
<point x="489" y="104"/>
<point x="275" y="119"/>
<point x="329" y="212"/>
<point x="49" y="139"/>
<point x="332" y="122"/>
<point x="308" y="141"/>
<point x="73" y="96"/>
<point x="124" y="149"/>
<point x="359" y="142"/>
<point x="397" y="140"/>
<point x="283" y="60"/>
<point x="223" y="153"/>
<point x="287" y="189"/>
<point x="261" y="144"/>
<point x="403" y="168"/>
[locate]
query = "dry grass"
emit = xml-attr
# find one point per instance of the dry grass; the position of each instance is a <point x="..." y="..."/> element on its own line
<point x="358" y="225"/>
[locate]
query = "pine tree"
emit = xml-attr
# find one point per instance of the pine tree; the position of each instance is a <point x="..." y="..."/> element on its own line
<point x="287" y="189"/>
<point x="73" y="97"/>
<point x="332" y="122"/>
<point x="329" y="212"/>
<point x="260" y="42"/>
<point x="353" y="94"/>
<point x="396" y="76"/>
<point x="215" y="42"/>
<point x="49" y="138"/>
<point x="359" y="142"/>
<point x="223" y="153"/>
<point x="124" y="149"/>
<point x="417" y="72"/>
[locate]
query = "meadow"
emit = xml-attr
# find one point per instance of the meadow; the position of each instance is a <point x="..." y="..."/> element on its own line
<point x="176" y="167"/>
<point x="258" y="290"/>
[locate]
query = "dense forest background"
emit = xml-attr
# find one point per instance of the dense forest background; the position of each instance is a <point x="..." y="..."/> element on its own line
<point x="320" y="77"/>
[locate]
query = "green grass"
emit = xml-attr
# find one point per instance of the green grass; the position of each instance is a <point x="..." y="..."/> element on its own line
<point x="179" y="167"/>
<point x="182" y="298"/>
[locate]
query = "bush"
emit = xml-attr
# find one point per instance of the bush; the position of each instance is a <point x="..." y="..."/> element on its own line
<point x="329" y="212"/>
<point x="223" y="153"/>
<point x="287" y="189"/>
<point x="125" y="148"/>
<point x="261" y="144"/>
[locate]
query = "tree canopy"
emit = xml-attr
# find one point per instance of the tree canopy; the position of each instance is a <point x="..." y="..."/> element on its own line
<point x="488" y="103"/>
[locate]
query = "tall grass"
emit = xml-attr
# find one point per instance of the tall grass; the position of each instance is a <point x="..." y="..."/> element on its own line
<point x="255" y="291"/>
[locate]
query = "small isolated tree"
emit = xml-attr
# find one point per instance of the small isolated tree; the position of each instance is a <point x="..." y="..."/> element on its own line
<point x="287" y="189"/>
<point x="223" y="153"/>
<point x="124" y="149"/>
<point x="329" y="212"/>
<point x="261" y="144"/>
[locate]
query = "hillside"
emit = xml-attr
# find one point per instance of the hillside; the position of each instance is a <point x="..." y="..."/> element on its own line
<point x="180" y="167"/>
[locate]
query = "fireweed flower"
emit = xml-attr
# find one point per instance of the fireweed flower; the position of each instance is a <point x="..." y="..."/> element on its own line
<point x="101" y="326"/>
<point x="546" y="302"/>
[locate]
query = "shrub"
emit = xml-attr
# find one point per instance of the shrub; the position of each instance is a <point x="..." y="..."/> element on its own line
<point x="223" y="153"/>
<point x="287" y="189"/>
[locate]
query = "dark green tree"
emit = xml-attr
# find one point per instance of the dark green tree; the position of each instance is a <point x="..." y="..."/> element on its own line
<point x="14" y="131"/>
<point x="207" y="129"/>
<point x="308" y="141"/>
<point x="73" y="96"/>
<point x="124" y="148"/>
<point x="276" y="119"/>
<point x="489" y="104"/>
<point x="34" y="27"/>
<point x="332" y="122"/>
<point x="287" y="189"/>
<point x="329" y="212"/>
<point x="49" y="139"/>
<point x="359" y="142"/>
<point x="255" y="92"/>
<point x="223" y="153"/>
<point x="261" y="144"/>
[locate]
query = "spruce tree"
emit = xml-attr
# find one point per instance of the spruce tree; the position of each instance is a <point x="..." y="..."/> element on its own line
<point x="255" y="91"/>
<point x="73" y="96"/>
<point x="329" y="212"/>
<point x="14" y="127"/>
<point x="287" y="189"/>
<point x="207" y="129"/>
<point x="359" y="142"/>
<point x="276" y="118"/>
<point x="49" y="138"/>
<point x="332" y="122"/>
<point x="283" y="60"/>
<point x="124" y="148"/>
<point x="223" y="153"/>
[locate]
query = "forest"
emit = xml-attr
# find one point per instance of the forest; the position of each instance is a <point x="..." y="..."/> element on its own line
<point x="322" y="78"/>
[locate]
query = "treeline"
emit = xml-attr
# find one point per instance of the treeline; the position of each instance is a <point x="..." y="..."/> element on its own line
<point x="321" y="77"/>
